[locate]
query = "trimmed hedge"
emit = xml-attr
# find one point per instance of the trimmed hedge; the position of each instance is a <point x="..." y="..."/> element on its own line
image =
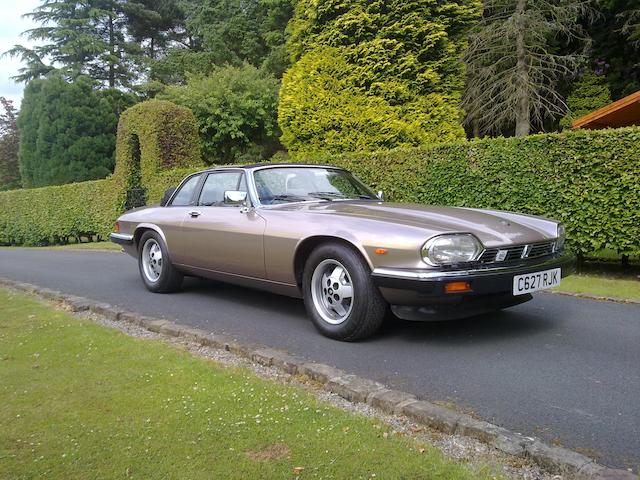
<point x="53" y="215"/>
<point x="155" y="139"/>
<point x="154" y="136"/>
<point x="590" y="180"/>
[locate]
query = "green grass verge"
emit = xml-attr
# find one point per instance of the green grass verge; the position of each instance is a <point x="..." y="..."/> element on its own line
<point x="98" y="246"/>
<point x="601" y="286"/>
<point x="83" y="401"/>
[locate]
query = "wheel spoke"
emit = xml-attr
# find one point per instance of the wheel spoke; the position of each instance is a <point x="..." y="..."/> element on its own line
<point x="337" y="274"/>
<point x="345" y="291"/>
<point x="339" y="308"/>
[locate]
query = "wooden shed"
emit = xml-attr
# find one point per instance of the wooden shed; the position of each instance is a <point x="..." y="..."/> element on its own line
<point x="623" y="113"/>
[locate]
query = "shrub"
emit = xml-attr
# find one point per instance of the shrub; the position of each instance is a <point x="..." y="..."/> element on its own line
<point x="589" y="93"/>
<point x="586" y="179"/>
<point x="357" y="58"/>
<point x="154" y="139"/>
<point x="322" y="110"/>
<point x="53" y="215"/>
<point x="154" y="136"/>
<point x="236" y="111"/>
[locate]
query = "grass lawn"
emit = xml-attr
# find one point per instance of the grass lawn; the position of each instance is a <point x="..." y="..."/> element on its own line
<point x="602" y="285"/>
<point x="99" y="246"/>
<point x="82" y="401"/>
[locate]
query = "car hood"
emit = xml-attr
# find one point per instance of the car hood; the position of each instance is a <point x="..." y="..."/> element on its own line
<point x="492" y="227"/>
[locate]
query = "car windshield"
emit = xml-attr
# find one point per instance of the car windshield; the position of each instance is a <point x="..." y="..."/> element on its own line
<point x="299" y="184"/>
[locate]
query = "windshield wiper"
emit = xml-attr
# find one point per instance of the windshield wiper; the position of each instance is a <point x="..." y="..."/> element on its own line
<point x="330" y="196"/>
<point x="284" y="197"/>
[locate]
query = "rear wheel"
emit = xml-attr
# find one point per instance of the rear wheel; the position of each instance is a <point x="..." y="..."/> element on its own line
<point x="339" y="295"/>
<point x="157" y="272"/>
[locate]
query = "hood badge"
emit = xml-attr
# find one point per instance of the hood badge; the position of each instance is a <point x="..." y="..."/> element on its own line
<point x="504" y="222"/>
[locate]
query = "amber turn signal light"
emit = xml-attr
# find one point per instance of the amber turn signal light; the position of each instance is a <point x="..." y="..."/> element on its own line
<point x="381" y="251"/>
<point x="116" y="227"/>
<point x="457" y="287"/>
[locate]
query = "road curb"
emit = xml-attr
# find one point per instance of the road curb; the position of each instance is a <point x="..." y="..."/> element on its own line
<point x="354" y="389"/>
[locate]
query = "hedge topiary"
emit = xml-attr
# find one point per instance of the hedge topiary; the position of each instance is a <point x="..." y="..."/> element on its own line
<point x="155" y="139"/>
<point x="154" y="136"/>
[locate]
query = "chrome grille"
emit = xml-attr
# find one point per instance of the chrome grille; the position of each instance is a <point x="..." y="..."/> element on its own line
<point x="518" y="252"/>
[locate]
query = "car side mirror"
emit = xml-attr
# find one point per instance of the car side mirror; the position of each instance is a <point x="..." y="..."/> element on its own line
<point x="235" y="198"/>
<point x="380" y="195"/>
<point x="167" y="195"/>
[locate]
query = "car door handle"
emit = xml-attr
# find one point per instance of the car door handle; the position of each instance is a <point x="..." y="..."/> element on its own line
<point x="195" y="213"/>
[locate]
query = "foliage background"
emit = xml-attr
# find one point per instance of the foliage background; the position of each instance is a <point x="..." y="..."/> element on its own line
<point x="373" y="74"/>
<point x="235" y="109"/>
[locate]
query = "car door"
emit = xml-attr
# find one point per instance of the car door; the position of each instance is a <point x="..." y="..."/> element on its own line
<point x="221" y="237"/>
<point x="171" y="217"/>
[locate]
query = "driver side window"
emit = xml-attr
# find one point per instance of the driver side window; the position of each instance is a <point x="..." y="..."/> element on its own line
<point x="219" y="182"/>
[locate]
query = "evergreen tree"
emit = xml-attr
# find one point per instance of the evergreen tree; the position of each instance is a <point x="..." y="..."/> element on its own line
<point x="233" y="32"/>
<point x="68" y="131"/>
<point x="514" y="63"/>
<point x="399" y="56"/>
<point x="589" y="93"/>
<point x="9" y="143"/>
<point x="108" y="40"/>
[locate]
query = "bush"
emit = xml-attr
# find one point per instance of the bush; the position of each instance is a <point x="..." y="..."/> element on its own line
<point x="322" y="110"/>
<point x="53" y="215"/>
<point x="236" y="111"/>
<point x="588" y="94"/>
<point x="154" y="136"/>
<point x="154" y="139"/>
<point x="586" y="179"/>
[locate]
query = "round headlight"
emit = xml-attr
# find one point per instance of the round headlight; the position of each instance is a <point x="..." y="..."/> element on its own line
<point x="561" y="237"/>
<point x="450" y="249"/>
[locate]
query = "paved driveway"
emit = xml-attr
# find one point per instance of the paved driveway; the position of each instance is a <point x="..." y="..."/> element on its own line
<point x="560" y="368"/>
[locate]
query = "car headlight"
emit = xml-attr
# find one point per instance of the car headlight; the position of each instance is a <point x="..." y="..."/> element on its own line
<point x="561" y="237"/>
<point x="450" y="249"/>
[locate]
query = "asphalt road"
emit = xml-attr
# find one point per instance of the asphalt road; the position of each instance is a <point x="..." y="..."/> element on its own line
<point x="563" y="369"/>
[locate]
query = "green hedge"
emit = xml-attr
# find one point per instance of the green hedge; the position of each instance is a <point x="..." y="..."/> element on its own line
<point x="590" y="180"/>
<point x="53" y="215"/>
<point x="155" y="139"/>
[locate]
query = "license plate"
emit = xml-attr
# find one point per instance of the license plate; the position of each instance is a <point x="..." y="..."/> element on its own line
<point x="532" y="282"/>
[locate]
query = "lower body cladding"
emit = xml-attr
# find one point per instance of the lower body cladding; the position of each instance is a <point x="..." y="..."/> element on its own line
<point x="435" y="295"/>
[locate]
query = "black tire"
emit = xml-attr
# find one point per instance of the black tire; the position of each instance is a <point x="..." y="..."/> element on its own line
<point x="367" y="307"/>
<point x="170" y="279"/>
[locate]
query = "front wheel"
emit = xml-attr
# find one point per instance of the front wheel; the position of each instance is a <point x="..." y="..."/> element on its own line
<point x="157" y="272"/>
<point x="340" y="296"/>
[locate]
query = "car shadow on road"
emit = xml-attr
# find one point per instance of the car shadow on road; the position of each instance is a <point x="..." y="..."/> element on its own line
<point x="492" y="327"/>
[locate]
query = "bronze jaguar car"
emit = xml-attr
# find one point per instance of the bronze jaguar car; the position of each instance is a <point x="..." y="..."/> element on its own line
<point x="319" y="233"/>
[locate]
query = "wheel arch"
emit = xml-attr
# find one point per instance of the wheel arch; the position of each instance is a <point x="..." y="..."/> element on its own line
<point x="143" y="227"/>
<point x="307" y="245"/>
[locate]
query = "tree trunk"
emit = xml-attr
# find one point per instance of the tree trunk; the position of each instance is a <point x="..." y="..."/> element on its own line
<point x="523" y="114"/>
<point x="112" y="51"/>
<point x="152" y="52"/>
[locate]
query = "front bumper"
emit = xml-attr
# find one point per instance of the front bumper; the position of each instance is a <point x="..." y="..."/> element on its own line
<point x="420" y="294"/>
